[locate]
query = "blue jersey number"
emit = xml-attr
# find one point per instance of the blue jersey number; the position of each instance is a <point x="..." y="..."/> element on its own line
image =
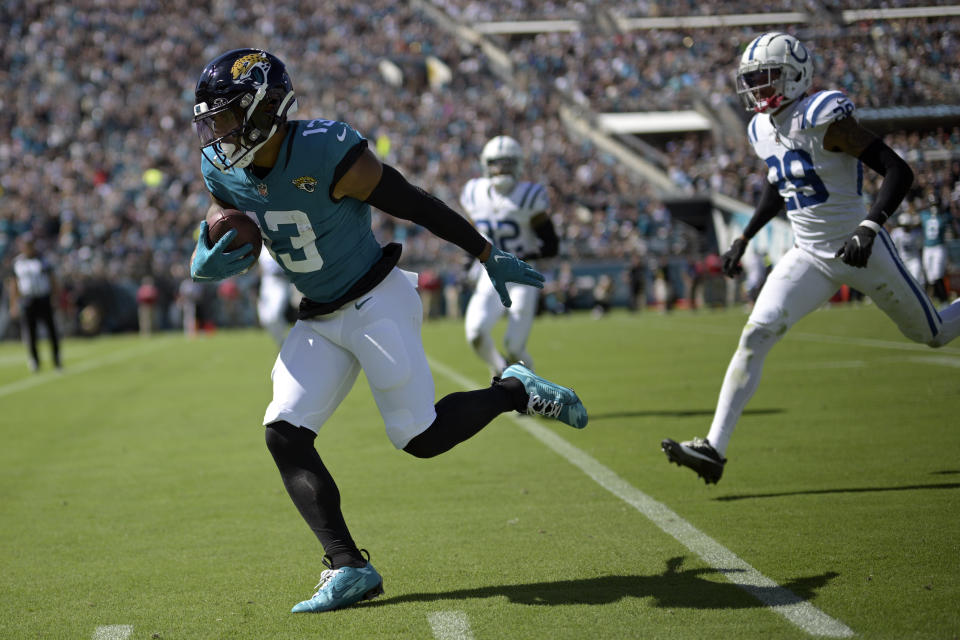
<point x="503" y="235"/>
<point x="808" y="186"/>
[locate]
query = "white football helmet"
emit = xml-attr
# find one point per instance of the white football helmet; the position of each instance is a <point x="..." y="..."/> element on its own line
<point x="502" y="160"/>
<point x="774" y="70"/>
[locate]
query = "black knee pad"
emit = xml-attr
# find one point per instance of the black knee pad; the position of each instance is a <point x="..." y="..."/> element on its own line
<point x="284" y="440"/>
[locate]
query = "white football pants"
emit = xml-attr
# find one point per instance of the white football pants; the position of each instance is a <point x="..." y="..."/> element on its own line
<point x="483" y="312"/>
<point x="272" y="300"/>
<point x="379" y="333"/>
<point x="801" y="283"/>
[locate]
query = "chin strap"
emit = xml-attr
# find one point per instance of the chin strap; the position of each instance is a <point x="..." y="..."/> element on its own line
<point x="769" y="103"/>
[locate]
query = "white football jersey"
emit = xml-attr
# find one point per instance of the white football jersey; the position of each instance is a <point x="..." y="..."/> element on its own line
<point x="823" y="190"/>
<point x="33" y="276"/>
<point x="505" y="219"/>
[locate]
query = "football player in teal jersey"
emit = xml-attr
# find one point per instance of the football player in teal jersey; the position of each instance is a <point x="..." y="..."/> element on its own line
<point x="309" y="184"/>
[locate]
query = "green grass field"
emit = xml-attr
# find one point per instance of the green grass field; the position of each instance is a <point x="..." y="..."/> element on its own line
<point x="137" y="498"/>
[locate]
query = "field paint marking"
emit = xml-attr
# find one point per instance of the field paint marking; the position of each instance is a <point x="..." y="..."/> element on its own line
<point x="81" y="367"/>
<point x="840" y="364"/>
<point x="936" y="360"/>
<point x="871" y="342"/>
<point x="450" y="625"/>
<point x="782" y="601"/>
<point x="113" y="632"/>
<point x="945" y="361"/>
<point x="906" y="345"/>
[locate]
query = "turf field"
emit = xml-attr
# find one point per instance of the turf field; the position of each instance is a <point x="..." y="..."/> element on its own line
<point x="137" y="499"/>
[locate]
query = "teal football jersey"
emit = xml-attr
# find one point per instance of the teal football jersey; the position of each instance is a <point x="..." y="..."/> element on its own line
<point x="323" y="246"/>
<point x="934" y="227"/>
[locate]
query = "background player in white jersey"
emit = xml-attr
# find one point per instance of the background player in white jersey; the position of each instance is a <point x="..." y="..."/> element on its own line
<point x="513" y="215"/>
<point x="908" y="239"/>
<point x="814" y="150"/>
<point x="273" y="297"/>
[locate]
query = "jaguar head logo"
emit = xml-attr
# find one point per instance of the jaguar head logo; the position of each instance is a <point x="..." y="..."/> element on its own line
<point x="306" y="183"/>
<point x="253" y="65"/>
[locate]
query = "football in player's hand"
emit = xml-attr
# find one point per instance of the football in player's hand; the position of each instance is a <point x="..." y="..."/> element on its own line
<point x="220" y="221"/>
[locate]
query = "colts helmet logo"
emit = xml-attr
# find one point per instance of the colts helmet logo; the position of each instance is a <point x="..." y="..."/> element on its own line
<point x="306" y="183"/>
<point x="254" y="64"/>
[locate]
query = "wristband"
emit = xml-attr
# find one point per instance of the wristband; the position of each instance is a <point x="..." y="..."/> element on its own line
<point x="870" y="224"/>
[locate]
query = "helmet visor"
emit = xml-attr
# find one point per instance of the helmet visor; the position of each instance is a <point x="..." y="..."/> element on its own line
<point x="758" y="86"/>
<point x="502" y="166"/>
<point x="216" y="126"/>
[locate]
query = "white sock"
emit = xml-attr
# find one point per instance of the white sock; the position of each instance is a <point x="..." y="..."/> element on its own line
<point x="483" y="345"/>
<point x="740" y="383"/>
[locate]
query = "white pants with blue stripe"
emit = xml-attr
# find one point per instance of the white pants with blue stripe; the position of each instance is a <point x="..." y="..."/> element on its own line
<point x="799" y="284"/>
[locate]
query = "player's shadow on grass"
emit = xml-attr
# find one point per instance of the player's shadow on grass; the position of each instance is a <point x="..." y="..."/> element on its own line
<point x="674" y="588"/>
<point x="675" y="413"/>
<point x="814" y="492"/>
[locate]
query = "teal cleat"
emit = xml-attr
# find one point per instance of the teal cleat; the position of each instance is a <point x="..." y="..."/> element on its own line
<point x="547" y="398"/>
<point x="342" y="587"/>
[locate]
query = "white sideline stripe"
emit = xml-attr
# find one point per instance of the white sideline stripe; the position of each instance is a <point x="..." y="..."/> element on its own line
<point x="822" y="337"/>
<point x="113" y="632"/>
<point x="871" y="342"/>
<point x="450" y="625"/>
<point x="945" y="361"/>
<point x="81" y="367"/>
<point x="780" y="600"/>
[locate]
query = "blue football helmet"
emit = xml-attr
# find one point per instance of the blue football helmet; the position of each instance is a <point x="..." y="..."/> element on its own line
<point x="242" y="97"/>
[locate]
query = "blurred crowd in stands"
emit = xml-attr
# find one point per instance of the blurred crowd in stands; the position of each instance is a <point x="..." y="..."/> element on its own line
<point x="99" y="162"/>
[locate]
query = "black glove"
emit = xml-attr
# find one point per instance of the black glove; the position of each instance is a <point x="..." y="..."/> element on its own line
<point x="731" y="259"/>
<point x="856" y="250"/>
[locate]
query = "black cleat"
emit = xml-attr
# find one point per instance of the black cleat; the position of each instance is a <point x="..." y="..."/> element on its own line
<point x="697" y="454"/>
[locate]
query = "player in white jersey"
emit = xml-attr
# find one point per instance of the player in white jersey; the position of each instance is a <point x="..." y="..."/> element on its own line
<point x="814" y="150"/>
<point x="513" y="215"/>
<point x="908" y="239"/>
<point x="273" y="298"/>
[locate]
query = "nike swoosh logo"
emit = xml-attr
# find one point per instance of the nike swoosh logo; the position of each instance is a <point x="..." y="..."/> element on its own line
<point x="362" y="302"/>
<point x="343" y="135"/>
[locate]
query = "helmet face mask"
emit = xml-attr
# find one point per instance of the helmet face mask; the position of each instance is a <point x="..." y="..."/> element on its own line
<point x="242" y="98"/>
<point x="774" y="70"/>
<point x="502" y="160"/>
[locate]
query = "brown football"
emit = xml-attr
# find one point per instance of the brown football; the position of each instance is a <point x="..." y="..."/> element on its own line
<point x="219" y="221"/>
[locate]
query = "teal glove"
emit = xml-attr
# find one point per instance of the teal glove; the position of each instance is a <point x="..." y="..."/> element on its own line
<point x="216" y="263"/>
<point x="503" y="267"/>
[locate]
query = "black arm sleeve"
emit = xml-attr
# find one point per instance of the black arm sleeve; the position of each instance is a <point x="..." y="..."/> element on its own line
<point x="771" y="202"/>
<point x="394" y="195"/>
<point x="897" y="178"/>
<point x="549" y="242"/>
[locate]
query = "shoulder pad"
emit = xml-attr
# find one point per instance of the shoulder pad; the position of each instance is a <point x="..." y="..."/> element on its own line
<point x="752" y="128"/>
<point x="825" y="107"/>
<point x="533" y="196"/>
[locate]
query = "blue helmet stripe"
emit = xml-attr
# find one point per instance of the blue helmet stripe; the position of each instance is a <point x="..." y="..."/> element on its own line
<point x="756" y="43"/>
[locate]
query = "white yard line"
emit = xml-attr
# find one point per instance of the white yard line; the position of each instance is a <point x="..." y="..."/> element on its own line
<point x="450" y="625"/>
<point x="80" y="367"/>
<point x="943" y="361"/>
<point x="906" y="345"/>
<point x="782" y="601"/>
<point x="113" y="632"/>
